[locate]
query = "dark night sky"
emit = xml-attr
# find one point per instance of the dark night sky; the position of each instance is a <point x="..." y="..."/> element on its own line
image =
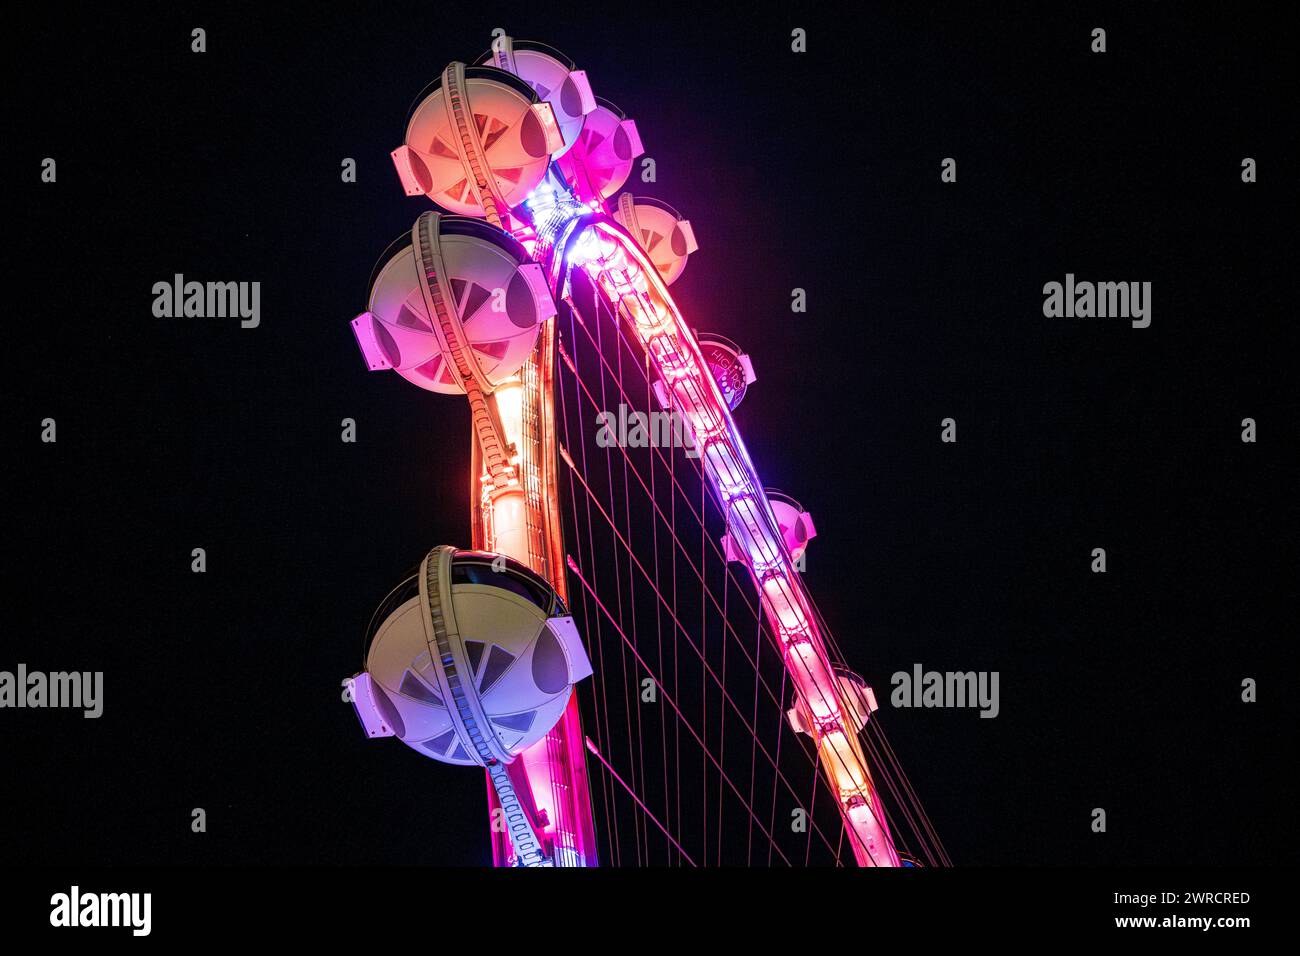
<point x="818" y="171"/>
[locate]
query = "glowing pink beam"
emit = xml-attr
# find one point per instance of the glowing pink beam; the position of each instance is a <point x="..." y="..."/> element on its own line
<point x="623" y="274"/>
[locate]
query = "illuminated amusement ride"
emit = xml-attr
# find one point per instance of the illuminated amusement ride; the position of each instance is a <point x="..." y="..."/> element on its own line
<point x="627" y="647"/>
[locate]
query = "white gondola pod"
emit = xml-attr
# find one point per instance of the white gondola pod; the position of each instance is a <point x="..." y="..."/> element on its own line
<point x="666" y="237"/>
<point x="474" y="662"/>
<point x="600" y="160"/>
<point x="731" y="368"/>
<point x="860" y="701"/>
<point x="553" y="77"/>
<point x="474" y="122"/>
<point x="795" y="524"/>
<point x="498" y="294"/>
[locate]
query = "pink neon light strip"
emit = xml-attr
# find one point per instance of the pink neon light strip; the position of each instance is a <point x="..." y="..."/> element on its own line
<point x="631" y="284"/>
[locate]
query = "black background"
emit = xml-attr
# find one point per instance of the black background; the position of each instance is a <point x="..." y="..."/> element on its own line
<point x="818" y="171"/>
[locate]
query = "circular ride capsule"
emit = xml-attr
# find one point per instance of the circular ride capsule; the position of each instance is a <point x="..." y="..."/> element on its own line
<point x="858" y="700"/>
<point x="492" y="295"/>
<point x="552" y="76"/>
<point x="600" y="160"/>
<point x="473" y="661"/>
<point x="479" y="141"/>
<point x="731" y="368"/>
<point x="796" y="525"/>
<point x="660" y="230"/>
